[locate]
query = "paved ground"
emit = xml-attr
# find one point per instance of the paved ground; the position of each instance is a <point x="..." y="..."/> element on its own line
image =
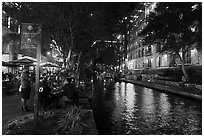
<point x="11" y="106"/>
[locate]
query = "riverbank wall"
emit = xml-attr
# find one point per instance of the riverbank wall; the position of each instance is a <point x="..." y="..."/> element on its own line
<point x="166" y="88"/>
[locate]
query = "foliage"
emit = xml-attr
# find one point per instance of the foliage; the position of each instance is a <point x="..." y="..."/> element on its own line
<point x="175" y="73"/>
<point x="106" y="56"/>
<point x="17" y="126"/>
<point x="10" y="37"/>
<point x="48" y="121"/>
<point x="70" y="121"/>
<point x="171" y="25"/>
<point x="195" y="74"/>
<point x="74" y="26"/>
<point x="176" y="27"/>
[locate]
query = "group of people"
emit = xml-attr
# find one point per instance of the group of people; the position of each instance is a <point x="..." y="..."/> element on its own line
<point x="58" y="89"/>
<point x="9" y="76"/>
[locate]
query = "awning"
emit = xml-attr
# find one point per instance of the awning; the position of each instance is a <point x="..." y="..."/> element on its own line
<point x="22" y="61"/>
<point x="8" y="64"/>
<point x="50" y="65"/>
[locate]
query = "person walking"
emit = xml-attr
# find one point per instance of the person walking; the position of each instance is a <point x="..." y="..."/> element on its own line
<point x="25" y="88"/>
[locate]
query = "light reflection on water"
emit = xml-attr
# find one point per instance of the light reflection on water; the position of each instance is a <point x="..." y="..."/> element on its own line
<point x="132" y="109"/>
<point x="130" y="102"/>
<point x="164" y="104"/>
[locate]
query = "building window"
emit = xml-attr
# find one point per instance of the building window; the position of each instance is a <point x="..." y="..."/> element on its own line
<point x="148" y="50"/>
<point x="149" y="63"/>
<point x="142" y="52"/>
<point x="143" y="42"/>
<point x="164" y="60"/>
<point x="158" y="61"/>
<point x="139" y="54"/>
<point x="194" y="56"/>
<point x="135" y="64"/>
<point x="188" y="57"/>
<point x="9" y="22"/>
<point x="19" y="29"/>
<point x="136" y="54"/>
<point x="158" y="48"/>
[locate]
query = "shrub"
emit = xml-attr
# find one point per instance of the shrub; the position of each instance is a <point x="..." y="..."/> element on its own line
<point x="70" y="121"/>
<point x="195" y="74"/>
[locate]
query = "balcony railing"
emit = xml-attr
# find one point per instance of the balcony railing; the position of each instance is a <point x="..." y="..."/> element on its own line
<point x="148" y="53"/>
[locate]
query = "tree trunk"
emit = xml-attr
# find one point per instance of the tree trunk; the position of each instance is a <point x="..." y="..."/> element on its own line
<point x="118" y="57"/>
<point x="68" y="57"/>
<point x="187" y="79"/>
<point x="70" y="52"/>
<point x="186" y="76"/>
<point x="78" y="69"/>
<point x="64" y="60"/>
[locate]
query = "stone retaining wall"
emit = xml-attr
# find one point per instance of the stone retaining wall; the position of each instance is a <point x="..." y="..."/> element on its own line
<point x="152" y="78"/>
<point x="165" y="88"/>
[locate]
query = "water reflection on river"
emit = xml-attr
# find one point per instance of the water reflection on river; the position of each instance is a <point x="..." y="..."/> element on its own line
<point x="124" y="108"/>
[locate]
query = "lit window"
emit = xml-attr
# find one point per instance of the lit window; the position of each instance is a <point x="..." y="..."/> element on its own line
<point x="146" y="61"/>
<point x="153" y="5"/>
<point x="194" y="7"/>
<point x="158" y="61"/>
<point x="136" y="16"/>
<point x="19" y="29"/>
<point x="9" y="22"/>
<point x="164" y="60"/>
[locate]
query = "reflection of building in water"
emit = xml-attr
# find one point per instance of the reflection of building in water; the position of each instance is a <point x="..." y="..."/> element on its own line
<point x="165" y="107"/>
<point x="148" y="108"/>
<point x="119" y="101"/>
<point x="130" y="101"/>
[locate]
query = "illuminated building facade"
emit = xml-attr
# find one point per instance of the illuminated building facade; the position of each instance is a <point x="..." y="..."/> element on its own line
<point x="10" y="49"/>
<point x="140" y="56"/>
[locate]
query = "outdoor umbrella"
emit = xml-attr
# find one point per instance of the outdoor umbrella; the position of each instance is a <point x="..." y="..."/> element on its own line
<point x="8" y="64"/>
<point x="22" y="61"/>
<point x="50" y="65"/>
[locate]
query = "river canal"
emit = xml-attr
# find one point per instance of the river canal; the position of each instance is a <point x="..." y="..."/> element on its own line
<point x="126" y="109"/>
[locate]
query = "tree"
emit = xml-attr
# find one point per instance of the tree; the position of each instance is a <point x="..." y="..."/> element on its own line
<point x="175" y="26"/>
<point x="74" y="26"/>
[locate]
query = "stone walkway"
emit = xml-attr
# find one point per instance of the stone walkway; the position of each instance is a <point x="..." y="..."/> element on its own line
<point x="11" y="106"/>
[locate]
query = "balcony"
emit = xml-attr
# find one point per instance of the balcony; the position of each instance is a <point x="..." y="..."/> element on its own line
<point x="148" y="53"/>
